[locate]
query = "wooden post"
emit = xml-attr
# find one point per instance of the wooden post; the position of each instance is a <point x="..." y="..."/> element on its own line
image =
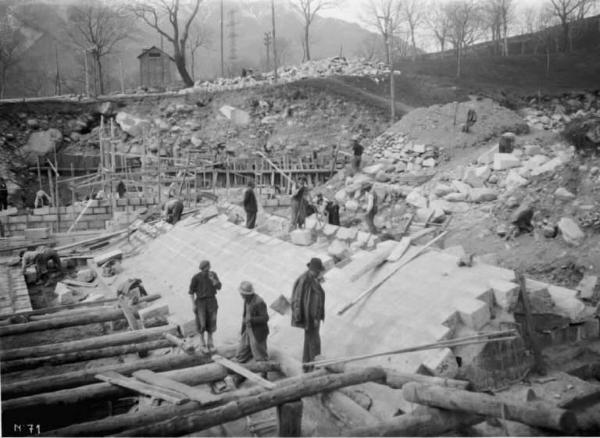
<point x="51" y="184"/>
<point x="289" y="417"/>
<point x="196" y="421"/>
<point x="538" y="414"/>
<point x="72" y="189"/>
<point x="528" y="332"/>
<point x="39" y="171"/>
<point x="113" y="157"/>
<point x="158" y="181"/>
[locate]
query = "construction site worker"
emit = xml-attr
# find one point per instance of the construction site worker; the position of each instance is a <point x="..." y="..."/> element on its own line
<point x="121" y="189"/>
<point x="132" y="289"/>
<point x="203" y="291"/>
<point x="471" y="119"/>
<point x="250" y="205"/>
<point x="299" y="205"/>
<point x="357" y="151"/>
<point x="308" y="309"/>
<point x="40" y="258"/>
<point x="333" y="213"/>
<point x="371" y="207"/>
<point x="173" y="210"/>
<point x="41" y="199"/>
<point x="3" y="195"/>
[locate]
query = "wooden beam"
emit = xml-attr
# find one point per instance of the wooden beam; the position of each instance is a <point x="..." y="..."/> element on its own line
<point x="143" y="388"/>
<point x="434" y="423"/>
<point x="80" y="356"/>
<point x="195" y="394"/>
<point x="94" y="343"/>
<point x="397" y="379"/>
<point x="537" y="414"/>
<point x="239" y="369"/>
<point x="248" y="405"/>
<point x="195" y="375"/>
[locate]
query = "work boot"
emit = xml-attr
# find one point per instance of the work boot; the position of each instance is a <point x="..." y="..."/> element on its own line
<point x="203" y="348"/>
<point x="211" y="346"/>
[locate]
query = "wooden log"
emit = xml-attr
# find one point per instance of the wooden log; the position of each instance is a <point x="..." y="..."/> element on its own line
<point x="195" y="394"/>
<point x="434" y="423"/>
<point x="65" y="307"/>
<point x="80" y="356"/>
<point x="537" y="414"/>
<point x="97" y="342"/>
<point x="90" y="241"/>
<point x="289" y="416"/>
<point x="95" y="316"/>
<point x="196" y="375"/>
<point x="232" y="411"/>
<point x="129" y="314"/>
<point x="397" y="379"/>
<point x="141" y="387"/>
<point x="86" y="376"/>
<point x="239" y="369"/>
<point x="399" y="250"/>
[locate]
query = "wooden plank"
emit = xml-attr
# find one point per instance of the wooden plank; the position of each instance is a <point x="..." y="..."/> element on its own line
<point x="399" y="250"/>
<point x="373" y="260"/>
<point x="134" y="323"/>
<point x="195" y="394"/>
<point x="115" y="378"/>
<point x="237" y="368"/>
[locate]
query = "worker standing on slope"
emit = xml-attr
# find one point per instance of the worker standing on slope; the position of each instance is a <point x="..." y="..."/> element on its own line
<point x="371" y="208"/>
<point x="308" y="309"/>
<point x="203" y="290"/>
<point x="299" y="205"/>
<point x="173" y="209"/>
<point x="357" y="151"/>
<point x="250" y="205"/>
<point x="3" y="195"/>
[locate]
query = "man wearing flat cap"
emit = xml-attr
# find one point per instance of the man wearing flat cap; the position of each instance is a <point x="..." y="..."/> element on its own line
<point x="308" y="309"/>
<point x="255" y="327"/>
<point x="203" y="290"/>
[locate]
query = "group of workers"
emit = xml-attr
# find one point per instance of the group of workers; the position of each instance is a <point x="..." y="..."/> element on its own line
<point x="307" y="306"/>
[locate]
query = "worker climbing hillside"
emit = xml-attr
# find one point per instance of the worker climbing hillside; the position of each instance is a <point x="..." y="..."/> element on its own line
<point x="308" y="309"/>
<point x="203" y="291"/>
<point x="173" y="209"/>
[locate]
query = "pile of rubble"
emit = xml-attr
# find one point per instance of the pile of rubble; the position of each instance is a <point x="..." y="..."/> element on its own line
<point x="553" y="115"/>
<point x="337" y="66"/>
<point x="405" y="154"/>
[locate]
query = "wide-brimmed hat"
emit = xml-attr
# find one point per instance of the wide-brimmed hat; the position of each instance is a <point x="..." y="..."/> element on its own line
<point x="316" y="264"/>
<point x="246" y="288"/>
<point x="204" y="264"/>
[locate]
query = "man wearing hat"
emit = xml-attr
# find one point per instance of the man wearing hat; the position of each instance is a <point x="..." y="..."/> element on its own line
<point x="371" y="208"/>
<point x="298" y="204"/>
<point x="308" y="309"/>
<point x="250" y="205"/>
<point x="357" y="151"/>
<point x="203" y="290"/>
<point x="255" y="327"/>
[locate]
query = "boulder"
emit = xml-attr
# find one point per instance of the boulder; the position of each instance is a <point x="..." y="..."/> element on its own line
<point x="65" y="295"/>
<point x="33" y="123"/>
<point x="549" y="231"/>
<point x="429" y="162"/>
<point x="338" y="249"/>
<point x="450" y="207"/>
<point x="352" y="205"/>
<point x="106" y="109"/>
<point x="382" y="177"/>
<point x="434" y="214"/>
<point x="549" y="166"/>
<point x="162" y="124"/>
<point x="476" y="176"/>
<point x="563" y="194"/>
<point x="345" y="233"/>
<point x="341" y="196"/>
<point x="483" y="194"/>
<point x="587" y="286"/>
<point x="505" y="161"/>
<point x="507" y="143"/>
<point x="86" y="275"/>
<point x="456" y="197"/>
<point x="461" y="187"/>
<point x="570" y="231"/>
<point x="132" y="125"/>
<point x="237" y="116"/>
<point x="372" y="170"/>
<point x="441" y="190"/>
<point x="301" y="237"/>
<point x="416" y="199"/>
<point x="533" y="149"/>
<point x="514" y="180"/>
<point x="41" y="143"/>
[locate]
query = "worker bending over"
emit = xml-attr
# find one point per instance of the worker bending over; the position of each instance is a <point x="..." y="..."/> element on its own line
<point x="203" y="290"/>
<point x="40" y="258"/>
<point x="173" y="210"/>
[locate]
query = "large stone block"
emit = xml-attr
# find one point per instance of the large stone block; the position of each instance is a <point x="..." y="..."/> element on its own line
<point x="155" y="310"/>
<point x="505" y="293"/>
<point x="330" y="230"/>
<point x="505" y="161"/>
<point x="37" y="233"/>
<point x="483" y="194"/>
<point x="570" y="231"/>
<point x="346" y="233"/>
<point x="338" y="249"/>
<point x="302" y="237"/>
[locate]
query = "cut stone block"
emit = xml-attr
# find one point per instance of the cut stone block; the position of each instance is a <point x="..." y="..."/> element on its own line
<point x="338" y="249"/>
<point x="505" y="161"/>
<point x="505" y="293"/>
<point x="301" y="237"/>
<point x="187" y="327"/>
<point x="570" y="231"/>
<point x="483" y="194"/>
<point x="346" y="233"/>
<point x="330" y="230"/>
<point x="108" y="256"/>
<point x="473" y="313"/>
<point x="37" y="233"/>
<point x="86" y="275"/>
<point x="65" y="295"/>
<point x="587" y="286"/>
<point x="153" y="311"/>
<point x="441" y="363"/>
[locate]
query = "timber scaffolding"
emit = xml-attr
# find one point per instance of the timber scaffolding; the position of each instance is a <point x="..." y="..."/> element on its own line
<point x="187" y="177"/>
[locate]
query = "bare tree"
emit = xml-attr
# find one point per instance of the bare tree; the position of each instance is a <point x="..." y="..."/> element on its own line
<point x="200" y="36"/>
<point x="151" y="12"/>
<point x="10" y="38"/>
<point x="465" y="18"/>
<point x="413" y="14"/>
<point x="309" y="10"/>
<point x="568" y="11"/>
<point x="370" y="48"/>
<point x="97" y="27"/>
<point x="384" y="15"/>
<point x="438" y="21"/>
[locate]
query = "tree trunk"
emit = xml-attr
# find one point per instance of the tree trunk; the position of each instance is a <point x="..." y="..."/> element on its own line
<point x="566" y="32"/>
<point x="307" y="40"/>
<point x="112" y="340"/>
<point x="433" y="422"/>
<point x="537" y="414"/>
<point x="197" y="421"/>
<point x="458" y="60"/>
<point x="100" y="78"/>
<point x="179" y="59"/>
<point x="80" y="356"/>
<point x="87" y="376"/>
<point x="119" y="423"/>
<point x="387" y="50"/>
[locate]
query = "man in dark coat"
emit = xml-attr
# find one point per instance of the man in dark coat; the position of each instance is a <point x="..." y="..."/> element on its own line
<point x="308" y="309"/>
<point x="3" y="195"/>
<point x="203" y="291"/>
<point x="299" y="205"/>
<point x="173" y="210"/>
<point x="40" y="258"/>
<point x="250" y="205"/>
<point x="357" y="151"/>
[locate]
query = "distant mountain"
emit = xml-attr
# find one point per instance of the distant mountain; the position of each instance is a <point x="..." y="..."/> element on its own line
<point x="44" y="22"/>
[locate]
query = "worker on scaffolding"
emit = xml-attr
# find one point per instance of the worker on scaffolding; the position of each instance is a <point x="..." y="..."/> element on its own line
<point x="299" y="204"/>
<point x="255" y="330"/>
<point x="250" y="205"/>
<point x="173" y="209"/>
<point x="40" y="257"/>
<point x="203" y="291"/>
<point x="308" y="309"/>
<point x="41" y="199"/>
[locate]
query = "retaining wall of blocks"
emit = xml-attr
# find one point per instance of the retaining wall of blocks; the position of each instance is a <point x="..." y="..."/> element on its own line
<point x="60" y="219"/>
<point x="350" y="237"/>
